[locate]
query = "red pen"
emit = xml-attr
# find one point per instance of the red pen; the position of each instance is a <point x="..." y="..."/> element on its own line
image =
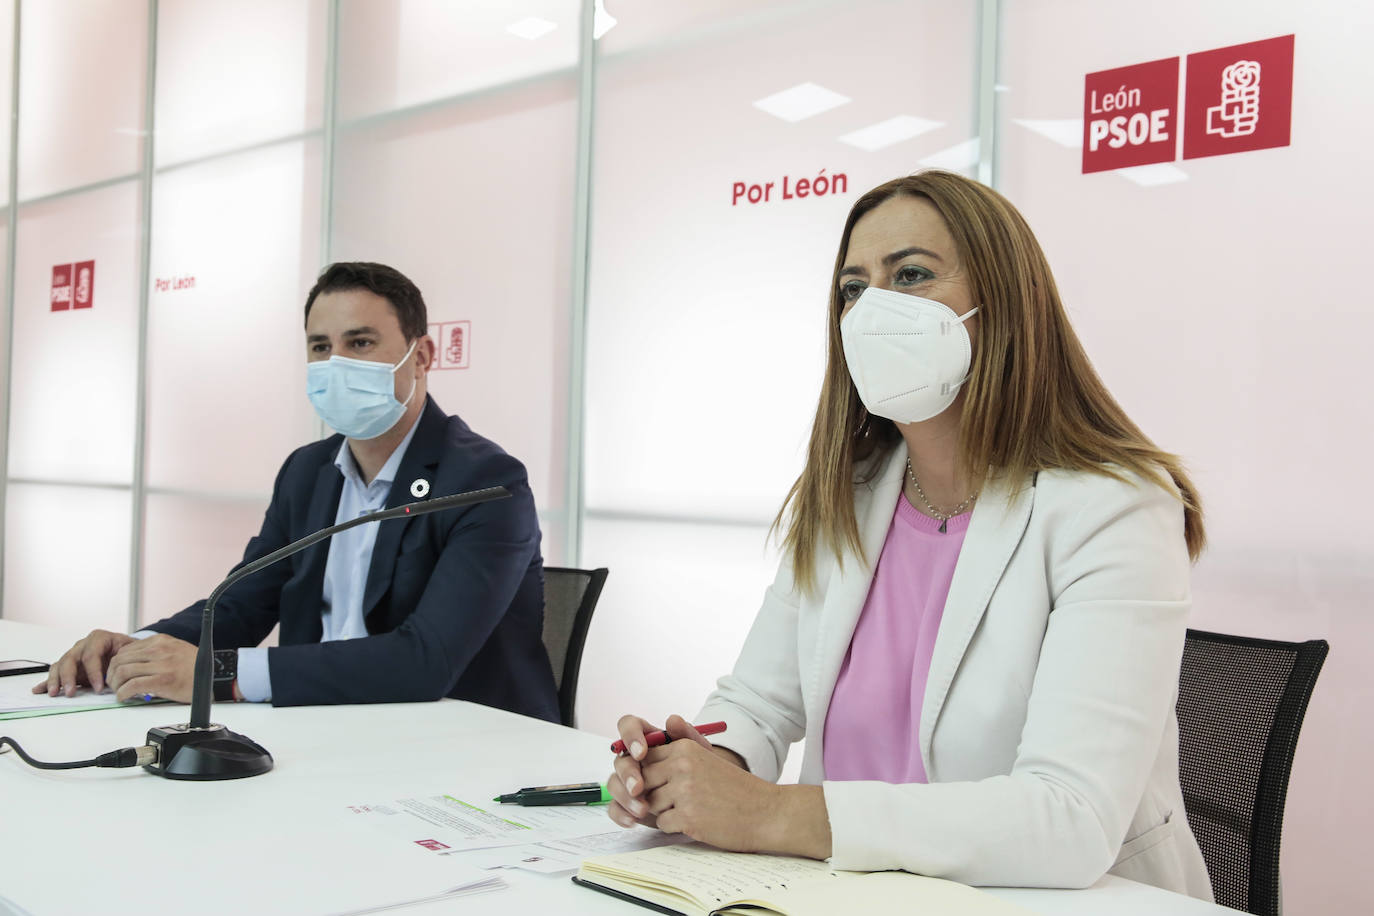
<point x="654" y="739"/>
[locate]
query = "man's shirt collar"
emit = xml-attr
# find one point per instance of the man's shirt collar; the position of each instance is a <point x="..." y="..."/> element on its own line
<point x="348" y="467"/>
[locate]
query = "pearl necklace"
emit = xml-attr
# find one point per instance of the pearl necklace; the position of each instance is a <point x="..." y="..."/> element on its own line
<point x="942" y="517"/>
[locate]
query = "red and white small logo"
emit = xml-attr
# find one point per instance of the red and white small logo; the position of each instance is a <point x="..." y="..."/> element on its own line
<point x="454" y="350"/>
<point x="61" y="287"/>
<point x="1239" y="98"/>
<point x="73" y="286"/>
<point x="1238" y="113"/>
<point x="84" y="274"/>
<point x="433" y="845"/>
<point x="1130" y="116"/>
<point x="455" y="344"/>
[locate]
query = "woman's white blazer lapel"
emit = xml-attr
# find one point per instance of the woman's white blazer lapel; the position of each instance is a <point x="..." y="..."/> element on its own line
<point x="844" y="599"/>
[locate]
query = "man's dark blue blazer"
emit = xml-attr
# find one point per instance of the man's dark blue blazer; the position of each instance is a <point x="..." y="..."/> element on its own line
<point x="454" y="601"/>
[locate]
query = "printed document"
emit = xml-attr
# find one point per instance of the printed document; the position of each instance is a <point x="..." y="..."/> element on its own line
<point x="446" y="823"/>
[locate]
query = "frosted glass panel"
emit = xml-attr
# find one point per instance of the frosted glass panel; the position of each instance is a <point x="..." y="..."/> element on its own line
<point x="407" y="52"/>
<point x="725" y="164"/>
<point x="678" y="602"/>
<point x="67" y="556"/>
<point x="80" y="92"/>
<point x="645" y="25"/>
<point x="232" y="74"/>
<point x="1171" y="276"/>
<point x="235" y="247"/>
<point x="4" y="325"/>
<point x="190" y="543"/>
<point x="474" y="204"/>
<point x="6" y="86"/>
<point x="72" y="409"/>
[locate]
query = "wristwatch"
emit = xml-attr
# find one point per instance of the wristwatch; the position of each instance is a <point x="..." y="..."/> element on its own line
<point x="226" y="673"/>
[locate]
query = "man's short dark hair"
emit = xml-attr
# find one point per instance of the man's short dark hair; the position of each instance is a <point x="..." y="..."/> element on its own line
<point x="387" y="282"/>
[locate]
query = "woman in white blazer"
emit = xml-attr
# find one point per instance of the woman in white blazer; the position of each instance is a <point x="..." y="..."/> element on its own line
<point x="1045" y="730"/>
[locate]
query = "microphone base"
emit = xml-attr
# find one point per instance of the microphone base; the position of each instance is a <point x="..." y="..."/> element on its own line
<point x="205" y="753"/>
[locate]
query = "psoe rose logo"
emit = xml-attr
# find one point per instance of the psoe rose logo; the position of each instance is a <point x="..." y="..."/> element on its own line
<point x="455" y="344"/>
<point x="1238" y="113"/>
<point x="453" y="350"/>
<point x="84" y="273"/>
<point x="1239" y="98"/>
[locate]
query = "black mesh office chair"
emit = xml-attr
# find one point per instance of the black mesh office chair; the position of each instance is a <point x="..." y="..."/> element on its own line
<point x="1241" y="702"/>
<point x="570" y="597"/>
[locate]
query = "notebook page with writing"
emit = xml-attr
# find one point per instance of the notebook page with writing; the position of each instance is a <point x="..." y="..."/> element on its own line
<point x="878" y="892"/>
<point x="695" y="878"/>
<point x="698" y="880"/>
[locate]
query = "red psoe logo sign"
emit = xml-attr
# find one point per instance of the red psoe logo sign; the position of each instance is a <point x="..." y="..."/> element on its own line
<point x="1130" y="116"/>
<point x="61" y="287"/>
<point x="73" y="286"/>
<point x="83" y="273"/>
<point x="454" y="344"/>
<point x="1239" y="98"/>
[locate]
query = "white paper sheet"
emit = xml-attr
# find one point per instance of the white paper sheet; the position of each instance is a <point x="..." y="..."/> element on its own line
<point x="479" y="887"/>
<point x="557" y="856"/>
<point x="16" y="694"/>
<point x="447" y="823"/>
<point x="618" y="840"/>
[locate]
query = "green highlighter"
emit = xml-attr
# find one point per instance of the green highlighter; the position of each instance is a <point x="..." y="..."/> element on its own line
<point x="582" y="793"/>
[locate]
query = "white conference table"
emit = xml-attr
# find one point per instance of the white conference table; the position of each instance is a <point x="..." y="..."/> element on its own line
<point x="123" y="841"/>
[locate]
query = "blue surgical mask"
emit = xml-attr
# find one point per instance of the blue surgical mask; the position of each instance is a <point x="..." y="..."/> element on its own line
<point x="355" y="396"/>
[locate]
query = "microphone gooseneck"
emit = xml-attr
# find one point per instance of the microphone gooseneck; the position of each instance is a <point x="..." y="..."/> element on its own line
<point x="201" y="750"/>
<point x="204" y="672"/>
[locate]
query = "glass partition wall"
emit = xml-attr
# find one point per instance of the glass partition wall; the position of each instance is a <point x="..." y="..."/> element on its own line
<point x="623" y="215"/>
<point x="729" y="145"/>
<point x="203" y="161"/>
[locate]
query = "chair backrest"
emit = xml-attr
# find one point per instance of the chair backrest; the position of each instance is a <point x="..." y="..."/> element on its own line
<point x="1241" y="703"/>
<point x="570" y="597"/>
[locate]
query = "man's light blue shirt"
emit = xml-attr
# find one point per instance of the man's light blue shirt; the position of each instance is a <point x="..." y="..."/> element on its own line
<point x="345" y="571"/>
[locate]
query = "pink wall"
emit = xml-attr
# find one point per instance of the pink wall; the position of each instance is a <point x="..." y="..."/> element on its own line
<point x="1220" y="298"/>
<point x="1229" y="312"/>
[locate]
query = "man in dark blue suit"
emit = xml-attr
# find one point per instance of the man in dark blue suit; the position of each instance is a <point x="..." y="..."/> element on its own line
<point x="446" y="604"/>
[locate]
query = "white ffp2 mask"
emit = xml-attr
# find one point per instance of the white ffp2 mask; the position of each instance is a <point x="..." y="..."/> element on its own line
<point x="907" y="355"/>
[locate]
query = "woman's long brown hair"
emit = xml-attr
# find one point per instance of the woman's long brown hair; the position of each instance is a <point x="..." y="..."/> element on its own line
<point x="1032" y="401"/>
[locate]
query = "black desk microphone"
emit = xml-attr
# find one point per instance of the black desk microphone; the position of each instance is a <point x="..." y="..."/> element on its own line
<point x="203" y="750"/>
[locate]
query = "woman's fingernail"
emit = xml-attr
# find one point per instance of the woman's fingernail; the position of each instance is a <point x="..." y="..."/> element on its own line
<point x="631" y="784"/>
<point x="636" y="750"/>
<point x="639" y="808"/>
